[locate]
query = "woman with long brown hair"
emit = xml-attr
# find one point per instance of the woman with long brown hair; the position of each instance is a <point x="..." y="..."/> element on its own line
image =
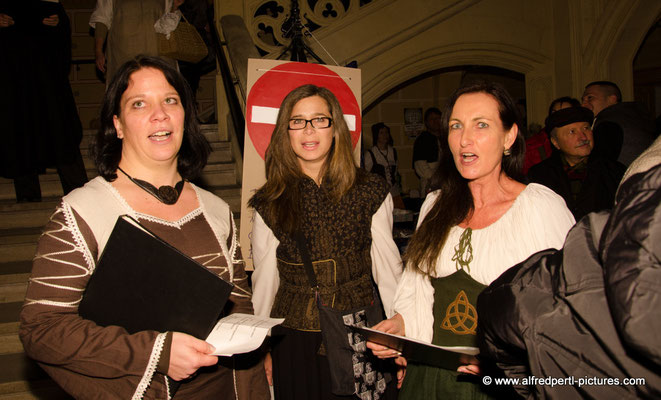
<point x="345" y="216"/>
<point x="480" y="220"/>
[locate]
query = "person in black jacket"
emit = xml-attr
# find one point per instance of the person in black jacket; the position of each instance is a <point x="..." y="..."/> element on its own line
<point x="426" y="149"/>
<point x="586" y="317"/>
<point x="622" y="129"/>
<point x="586" y="181"/>
<point x="40" y="123"/>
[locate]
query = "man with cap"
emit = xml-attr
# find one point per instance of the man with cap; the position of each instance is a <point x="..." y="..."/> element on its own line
<point x="586" y="181"/>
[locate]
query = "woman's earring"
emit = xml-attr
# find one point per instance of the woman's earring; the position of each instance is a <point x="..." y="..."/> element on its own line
<point x="507" y="152"/>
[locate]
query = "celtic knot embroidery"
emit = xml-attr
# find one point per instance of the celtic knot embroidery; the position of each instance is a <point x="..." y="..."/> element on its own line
<point x="463" y="252"/>
<point x="461" y="316"/>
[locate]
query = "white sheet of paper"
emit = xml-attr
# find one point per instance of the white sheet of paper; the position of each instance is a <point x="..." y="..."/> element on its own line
<point x="240" y="333"/>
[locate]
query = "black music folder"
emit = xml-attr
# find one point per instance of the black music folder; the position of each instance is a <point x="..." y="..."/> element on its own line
<point x="142" y="283"/>
<point x="447" y="357"/>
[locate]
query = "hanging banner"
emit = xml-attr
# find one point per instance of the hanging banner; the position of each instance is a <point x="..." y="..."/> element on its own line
<point x="269" y="81"/>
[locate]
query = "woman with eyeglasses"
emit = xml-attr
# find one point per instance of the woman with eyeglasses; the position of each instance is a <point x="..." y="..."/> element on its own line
<point x="345" y="215"/>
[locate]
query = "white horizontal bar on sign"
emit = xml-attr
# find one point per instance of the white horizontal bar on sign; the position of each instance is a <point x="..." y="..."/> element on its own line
<point x="351" y="121"/>
<point x="269" y="115"/>
<point x="264" y="115"/>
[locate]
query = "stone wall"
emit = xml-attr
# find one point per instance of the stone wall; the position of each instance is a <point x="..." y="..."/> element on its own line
<point x="556" y="45"/>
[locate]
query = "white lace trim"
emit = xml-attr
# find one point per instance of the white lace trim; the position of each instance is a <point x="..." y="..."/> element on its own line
<point x="119" y="197"/>
<point x="172" y="224"/>
<point x="151" y="367"/>
<point x="223" y="245"/>
<point x="236" y="391"/>
<point x="240" y="292"/>
<point x="229" y="254"/>
<point x="72" y="304"/>
<point x="207" y="259"/>
<point x="167" y="387"/>
<point x="78" y="237"/>
<point x="78" y="245"/>
<point x="221" y="270"/>
<point x="136" y="214"/>
<point x="235" y="243"/>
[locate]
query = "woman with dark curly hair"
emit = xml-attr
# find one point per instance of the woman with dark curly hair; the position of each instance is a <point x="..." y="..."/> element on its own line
<point x="479" y="221"/>
<point x="147" y="148"/>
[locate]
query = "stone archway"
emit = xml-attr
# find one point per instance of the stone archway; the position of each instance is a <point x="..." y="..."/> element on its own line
<point x="647" y="71"/>
<point x="486" y="54"/>
<point x="429" y="89"/>
<point x="533" y="65"/>
<point x="616" y="39"/>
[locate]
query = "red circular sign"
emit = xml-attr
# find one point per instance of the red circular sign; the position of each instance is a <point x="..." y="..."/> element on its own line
<point x="271" y="88"/>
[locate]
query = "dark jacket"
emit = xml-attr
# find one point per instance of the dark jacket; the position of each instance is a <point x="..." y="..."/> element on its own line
<point x="562" y="313"/>
<point x="597" y="191"/>
<point x="631" y="254"/>
<point x="40" y="123"/>
<point x="425" y="147"/>
<point x="623" y="131"/>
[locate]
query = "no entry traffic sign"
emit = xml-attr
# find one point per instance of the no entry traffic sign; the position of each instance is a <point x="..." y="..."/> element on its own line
<point x="271" y="88"/>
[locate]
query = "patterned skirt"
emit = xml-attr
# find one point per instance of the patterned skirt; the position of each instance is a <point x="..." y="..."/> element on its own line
<point x="299" y="372"/>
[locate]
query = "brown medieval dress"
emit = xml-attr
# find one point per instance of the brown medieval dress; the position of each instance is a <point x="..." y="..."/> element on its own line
<point x="90" y="361"/>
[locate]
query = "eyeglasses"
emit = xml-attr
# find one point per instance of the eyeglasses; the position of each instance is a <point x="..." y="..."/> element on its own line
<point x="317" y="123"/>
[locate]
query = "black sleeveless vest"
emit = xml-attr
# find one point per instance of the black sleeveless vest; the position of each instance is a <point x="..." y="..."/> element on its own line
<point x="339" y="239"/>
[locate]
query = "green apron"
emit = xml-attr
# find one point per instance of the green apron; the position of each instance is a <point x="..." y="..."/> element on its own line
<point x="455" y="324"/>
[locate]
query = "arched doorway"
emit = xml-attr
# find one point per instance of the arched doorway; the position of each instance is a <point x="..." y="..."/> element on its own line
<point x="430" y="89"/>
<point x="647" y="71"/>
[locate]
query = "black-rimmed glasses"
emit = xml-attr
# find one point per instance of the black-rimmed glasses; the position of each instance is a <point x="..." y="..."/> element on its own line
<point x="317" y="123"/>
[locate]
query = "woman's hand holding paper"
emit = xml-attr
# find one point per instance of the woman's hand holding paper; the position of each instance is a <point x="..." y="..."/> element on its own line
<point x="187" y="355"/>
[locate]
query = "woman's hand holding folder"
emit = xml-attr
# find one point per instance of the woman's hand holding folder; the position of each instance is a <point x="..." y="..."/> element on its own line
<point x="394" y="325"/>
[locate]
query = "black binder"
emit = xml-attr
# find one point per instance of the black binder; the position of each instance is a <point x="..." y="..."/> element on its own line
<point x="142" y="283"/>
<point x="417" y="351"/>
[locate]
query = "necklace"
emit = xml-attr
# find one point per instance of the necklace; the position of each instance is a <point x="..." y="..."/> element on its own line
<point x="463" y="252"/>
<point x="165" y="194"/>
<point x="384" y="155"/>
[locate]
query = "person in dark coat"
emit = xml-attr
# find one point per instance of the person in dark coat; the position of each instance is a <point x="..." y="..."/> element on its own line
<point x="622" y="130"/>
<point x="426" y="149"/>
<point x="196" y="13"/>
<point x="41" y="126"/>
<point x="586" y="181"/>
<point x="588" y="315"/>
